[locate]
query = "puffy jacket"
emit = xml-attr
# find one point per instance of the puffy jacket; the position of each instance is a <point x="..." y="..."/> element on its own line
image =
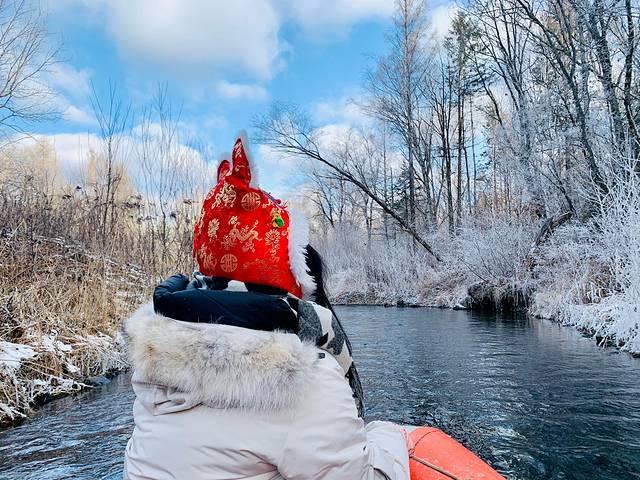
<point x="221" y="402"/>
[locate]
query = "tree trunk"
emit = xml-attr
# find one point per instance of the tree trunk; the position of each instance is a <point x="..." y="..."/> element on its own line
<point x="459" y="172"/>
<point x="473" y="155"/>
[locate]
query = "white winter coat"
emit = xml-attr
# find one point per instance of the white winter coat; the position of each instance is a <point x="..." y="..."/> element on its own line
<point x="217" y="402"/>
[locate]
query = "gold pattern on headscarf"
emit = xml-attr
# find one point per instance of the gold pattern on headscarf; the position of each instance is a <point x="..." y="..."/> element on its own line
<point x="212" y="229"/>
<point x="206" y="260"/>
<point x="272" y="240"/>
<point x="250" y="201"/>
<point x="245" y="235"/>
<point x="226" y="196"/>
<point x="228" y="262"/>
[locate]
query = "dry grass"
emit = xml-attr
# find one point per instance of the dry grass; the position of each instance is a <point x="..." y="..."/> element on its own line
<point x="67" y="306"/>
<point x="67" y="274"/>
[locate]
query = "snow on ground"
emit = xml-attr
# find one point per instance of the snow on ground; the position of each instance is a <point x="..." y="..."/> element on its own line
<point x="13" y="354"/>
<point x="48" y="367"/>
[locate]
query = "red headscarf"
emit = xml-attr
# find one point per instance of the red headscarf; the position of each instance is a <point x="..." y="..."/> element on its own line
<point x="245" y="234"/>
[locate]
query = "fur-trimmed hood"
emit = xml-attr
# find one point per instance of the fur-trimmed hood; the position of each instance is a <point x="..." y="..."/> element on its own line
<point x="220" y="366"/>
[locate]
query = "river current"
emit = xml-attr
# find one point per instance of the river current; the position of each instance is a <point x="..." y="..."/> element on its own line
<point x="534" y="399"/>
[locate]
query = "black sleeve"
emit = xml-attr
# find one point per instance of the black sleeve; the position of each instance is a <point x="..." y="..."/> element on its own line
<point x="172" y="300"/>
<point x="256" y="311"/>
<point x="174" y="283"/>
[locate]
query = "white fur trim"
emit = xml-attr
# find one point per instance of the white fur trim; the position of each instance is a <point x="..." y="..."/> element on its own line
<point x="298" y="241"/>
<point x="242" y="135"/>
<point x="219" y="365"/>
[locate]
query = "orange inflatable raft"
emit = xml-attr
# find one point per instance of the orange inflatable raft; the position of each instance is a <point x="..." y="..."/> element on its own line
<point x="437" y="456"/>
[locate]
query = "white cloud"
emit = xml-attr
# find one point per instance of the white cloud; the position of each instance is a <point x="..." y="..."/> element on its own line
<point x="279" y="173"/>
<point x="74" y="82"/>
<point x="239" y="91"/>
<point x="79" y="116"/>
<point x="333" y="135"/>
<point x="72" y="153"/>
<point x="211" y="122"/>
<point x="331" y="16"/>
<point x="151" y="130"/>
<point x="440" y="19"/>
<point x="72" y="148"/>
<point x="197" y="35"/>
<point x="201" y="128"/>
<point x="72" y="88"/>
<point x="74" y="9"/>
<point x="205" y="38"/>
<point x="343" y="110"/>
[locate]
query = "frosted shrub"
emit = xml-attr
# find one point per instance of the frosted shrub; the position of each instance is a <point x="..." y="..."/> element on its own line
<point x="380" y="271"/>
<point x="494" y="249"/>
<point x="590" y="276"/>
<point x="570" y="271"/>
<point x="374" y="272"/>
<point x="618" y="314"/>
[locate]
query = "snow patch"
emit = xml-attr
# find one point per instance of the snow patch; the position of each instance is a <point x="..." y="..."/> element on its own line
<point x="51" y="344"/>
<point x="13" y="354"/>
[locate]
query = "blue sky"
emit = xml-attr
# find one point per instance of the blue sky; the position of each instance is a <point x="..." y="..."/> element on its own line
<point x="223" y="61"/>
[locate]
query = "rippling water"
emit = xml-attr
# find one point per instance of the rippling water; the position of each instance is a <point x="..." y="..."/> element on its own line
<point x="537" y="400"/>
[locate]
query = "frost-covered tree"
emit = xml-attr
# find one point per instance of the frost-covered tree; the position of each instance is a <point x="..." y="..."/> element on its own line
<point x="519" y="151"/>
<point x="394" y="86"/>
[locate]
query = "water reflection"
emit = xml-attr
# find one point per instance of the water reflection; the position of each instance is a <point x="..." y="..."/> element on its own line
<point x="536" y="399"/>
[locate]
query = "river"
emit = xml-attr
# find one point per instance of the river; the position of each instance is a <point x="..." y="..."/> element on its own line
<point x="536" y="400"/>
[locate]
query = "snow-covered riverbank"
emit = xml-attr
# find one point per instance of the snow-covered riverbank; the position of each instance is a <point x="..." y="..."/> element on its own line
<point x="586" y="276"/>
<point x="53" y="366"/>
<point x="610" y="322"/>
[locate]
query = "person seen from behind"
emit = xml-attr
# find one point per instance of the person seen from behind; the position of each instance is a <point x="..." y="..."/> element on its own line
<point x="245" y="372"/>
